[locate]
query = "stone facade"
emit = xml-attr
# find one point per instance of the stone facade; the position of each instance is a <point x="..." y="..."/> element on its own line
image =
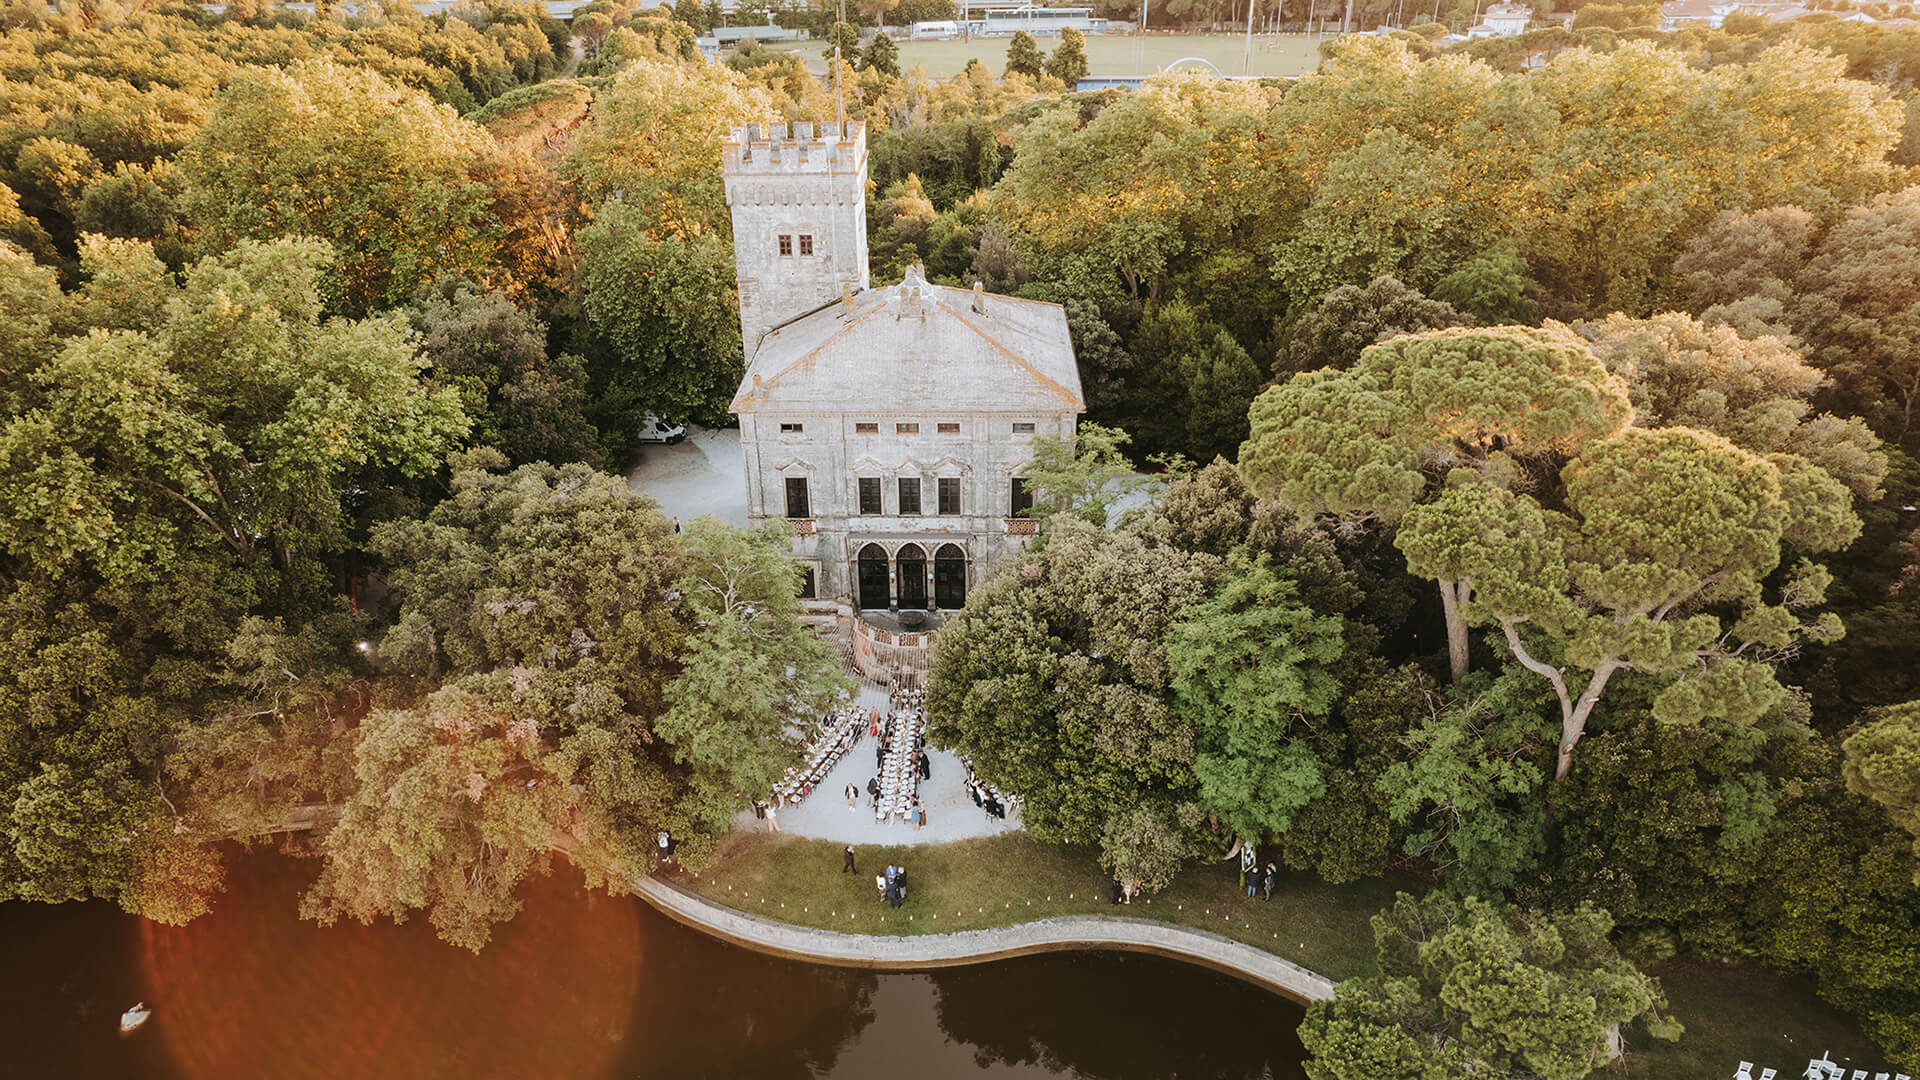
<point x="891" y="427"/>
<point x="799" y="203"/>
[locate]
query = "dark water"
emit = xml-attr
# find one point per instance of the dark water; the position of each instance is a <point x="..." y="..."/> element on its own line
<point x="581" y="985"/>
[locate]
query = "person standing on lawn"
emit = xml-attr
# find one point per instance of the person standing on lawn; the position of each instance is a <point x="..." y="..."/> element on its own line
<point x="848" y="868"/>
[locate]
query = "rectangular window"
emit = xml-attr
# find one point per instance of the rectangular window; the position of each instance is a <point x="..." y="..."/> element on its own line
<point x="906" y="429"/>
<point x="870" y="495"/>
<point x="1023" y="429"/>
<point x="786" y="244"/>
<point x="866" y="429"/>
<point x="806" y="243"/>
<point x="909" y="494"/>
<point x="806" y="581"/>
<point x="949" y="429"/>
<point x="790" y="429"/>
<point x="950" y="495"/>
<point x="797" y="497"/>
<point x="1022" y="497"/>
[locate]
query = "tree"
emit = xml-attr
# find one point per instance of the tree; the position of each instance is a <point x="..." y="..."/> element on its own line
<point x="881" y="55"/>
<point x="1663" y="529"/>
<point x="1348" y="319"/>
<point x="1468" y="988"/>
<point x="1054" y="683"/>
<point x="1024" y="56"/>
<point x="1488" y="402"/>
<point x="1491" y="289"/>
<point x="1249" y="665"/>
<point x="324" y="150"/>
<point x="1883" y="763"/>
<point x="1084" y="478"/>
<point x="843" y="41"/>
<point x="1069" y="60"/>
<point x="1756" y="392"/>
<point x="1856" y="309"/>
<point x="667" y="311"/>
<point x="524" y="404"/>
<point x="747" y="669"/>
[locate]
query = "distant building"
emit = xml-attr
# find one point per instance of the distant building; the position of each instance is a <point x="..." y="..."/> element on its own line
<point x="1680" y="14"/>
<point x="1507" y="20"/>
<point x="890" y="427"/>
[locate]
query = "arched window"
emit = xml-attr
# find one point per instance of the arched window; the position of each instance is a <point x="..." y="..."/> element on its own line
<point x="910" y="563"/>
<point x="950" y="577"/>
<point x="872" y="576"/>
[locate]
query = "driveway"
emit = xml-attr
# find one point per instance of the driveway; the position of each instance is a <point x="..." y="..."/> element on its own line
<point x="703" y="474"/>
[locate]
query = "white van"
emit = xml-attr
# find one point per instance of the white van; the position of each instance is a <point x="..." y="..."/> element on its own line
<point x="653" y="431"/>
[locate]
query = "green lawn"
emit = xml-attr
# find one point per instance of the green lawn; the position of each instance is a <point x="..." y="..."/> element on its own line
<point x="1001" y="880"/>
<point x="1732" y="1012"/>
<point x="1110" y="54"/>
<point x="1743" y="1012"/>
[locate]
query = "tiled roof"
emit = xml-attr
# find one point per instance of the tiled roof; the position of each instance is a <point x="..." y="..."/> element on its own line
<point x="913" y="344"/>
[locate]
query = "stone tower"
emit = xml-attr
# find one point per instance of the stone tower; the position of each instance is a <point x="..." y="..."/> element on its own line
<point x="799" y="202"/>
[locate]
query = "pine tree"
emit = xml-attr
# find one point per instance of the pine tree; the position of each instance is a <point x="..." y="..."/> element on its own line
<point x="1024" y="56"/>
<point x="882" y="55"/>
<point x="1069" y="60"/>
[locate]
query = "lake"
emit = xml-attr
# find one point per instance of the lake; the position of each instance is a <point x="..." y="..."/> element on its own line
<point x="582" y="985"/>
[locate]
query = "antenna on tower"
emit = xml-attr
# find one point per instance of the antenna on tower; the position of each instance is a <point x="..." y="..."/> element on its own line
<point x="839" y="102"/>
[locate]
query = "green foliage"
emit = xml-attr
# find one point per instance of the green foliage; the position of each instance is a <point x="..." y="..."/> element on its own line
<point x="1491" y="289"/>
<point x="1069" y="60"/>
<point x="1054" y="682"/>
<point x="881" y="55"/>
<point x="522" y="403"/>
<point x="1250" y="669"/>
<point x="1084" y="478"/>
<point x="1883" y="763"/>
<point x="325" y="150"/>
<point x="1024" y="56"/>
<point x="1348" y="319"/>
<point x="1468" y="988"/>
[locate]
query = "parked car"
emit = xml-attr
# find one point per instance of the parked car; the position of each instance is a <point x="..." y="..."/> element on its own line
<point x="654" y="430"/>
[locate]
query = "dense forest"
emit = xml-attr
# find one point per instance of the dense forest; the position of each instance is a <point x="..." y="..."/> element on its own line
<point x="1534" y="457"/>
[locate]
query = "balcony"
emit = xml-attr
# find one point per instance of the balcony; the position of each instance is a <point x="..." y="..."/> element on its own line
<point x="801" y="526"/>
<point x="1022" y="527"/>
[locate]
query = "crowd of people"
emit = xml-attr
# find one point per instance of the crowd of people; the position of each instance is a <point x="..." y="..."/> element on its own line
<point x="995" y="802"/>
<point x="900" y="759"/>
<point x="836" y="733"/>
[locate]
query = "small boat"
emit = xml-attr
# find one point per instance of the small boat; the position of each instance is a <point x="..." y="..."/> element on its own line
<point x="134" y="1017"/>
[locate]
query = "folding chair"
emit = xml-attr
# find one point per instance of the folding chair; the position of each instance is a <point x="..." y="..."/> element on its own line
<point x="1744" y="1072"/>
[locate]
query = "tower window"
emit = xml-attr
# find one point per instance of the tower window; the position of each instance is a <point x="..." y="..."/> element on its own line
<point x="786" y="244"/>
<point x="806" y="243"/>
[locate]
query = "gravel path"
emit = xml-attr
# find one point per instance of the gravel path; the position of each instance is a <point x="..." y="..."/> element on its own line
<point x="703" y="474"/>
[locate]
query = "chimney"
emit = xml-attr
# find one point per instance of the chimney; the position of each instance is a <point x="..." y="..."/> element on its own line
<point x="979" y="298"/>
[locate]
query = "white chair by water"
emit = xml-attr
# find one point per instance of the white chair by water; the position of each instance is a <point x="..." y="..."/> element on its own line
<point x="1744" y="1072"/>
<point x="1859" y="1074"/>
<point x="1882" y="1076"/>
<point x="1767" y="1074"/>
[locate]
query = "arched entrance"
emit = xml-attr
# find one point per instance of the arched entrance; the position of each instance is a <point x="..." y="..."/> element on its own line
<point x="949" y="577"/>
<point x="872" y="576"/>
<point x="910" y="563"/>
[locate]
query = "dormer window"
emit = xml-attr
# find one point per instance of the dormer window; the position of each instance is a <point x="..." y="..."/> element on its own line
<point x="786" y="244"/>
<point x="806" y="243"/>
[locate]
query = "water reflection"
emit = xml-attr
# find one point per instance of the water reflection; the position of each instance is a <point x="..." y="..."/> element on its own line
<point x="580" y="985"/>
<point x="1119" y="1017"/>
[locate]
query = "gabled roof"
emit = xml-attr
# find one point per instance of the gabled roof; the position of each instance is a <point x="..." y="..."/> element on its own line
<point x="916" y="346"/>
<point x="1687" y="9"/>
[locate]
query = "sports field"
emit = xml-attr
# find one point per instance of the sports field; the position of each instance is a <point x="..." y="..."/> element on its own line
<point x="1112" y="54"/>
